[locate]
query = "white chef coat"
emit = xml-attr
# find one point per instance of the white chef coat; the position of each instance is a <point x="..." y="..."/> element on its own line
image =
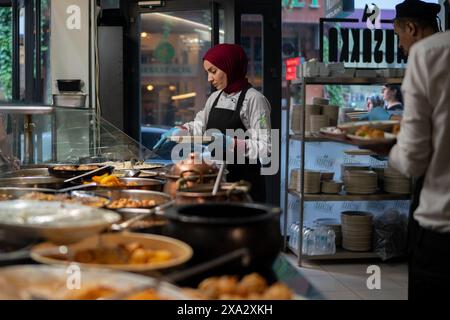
<point x="423" y="146"/>
<point x="255" y="114"/>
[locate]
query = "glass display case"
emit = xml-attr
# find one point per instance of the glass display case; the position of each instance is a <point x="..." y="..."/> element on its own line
<point x="38" y="135"/>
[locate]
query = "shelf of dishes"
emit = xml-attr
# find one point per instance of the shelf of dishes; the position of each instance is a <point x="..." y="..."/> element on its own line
<point x="348" y="80"/>
<point x="350" y="197"/>
<point x="360" y="182"/>
<point x="355" y="235"/>
<point x="341" y="254"/>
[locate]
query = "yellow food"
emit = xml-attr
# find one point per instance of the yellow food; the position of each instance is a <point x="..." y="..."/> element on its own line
<point x="251" y="287"/>
<point x="105" y="292"/>
<point x="130" y="253"/>
<point x="369" y="133"/>
<point x="130" y="203"/>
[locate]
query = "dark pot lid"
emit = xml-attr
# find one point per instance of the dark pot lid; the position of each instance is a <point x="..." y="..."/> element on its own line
<point x="223" y="213"/>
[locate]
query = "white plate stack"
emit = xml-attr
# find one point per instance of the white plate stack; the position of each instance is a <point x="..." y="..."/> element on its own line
<point x="320" y="101"/>
<point x="360" y="182"/>
<point x="318" y="121"/>
<point x="311" y="110"/>
<point x="312" y="181"/>
<point x="332" y="112"/>
<point x="333" y="224"/>
<point x="356" y="230"/>
<point x="395" y="182"/>
<point x="296" y="118"/>
<point x="331" y="187"/>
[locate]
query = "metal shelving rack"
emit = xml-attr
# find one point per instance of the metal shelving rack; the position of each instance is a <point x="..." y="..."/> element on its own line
<point x="340" y="253"/>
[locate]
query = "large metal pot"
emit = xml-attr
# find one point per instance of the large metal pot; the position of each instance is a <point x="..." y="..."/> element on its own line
<point x="29" y="172"/>
<point x="233" y="192"/>
<point x="33" y="182"/>
<point x="215" y="229"/>
<point x="188" y="173"/>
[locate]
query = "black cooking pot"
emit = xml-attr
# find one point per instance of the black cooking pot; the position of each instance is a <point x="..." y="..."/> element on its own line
<point x="215" y="229"/>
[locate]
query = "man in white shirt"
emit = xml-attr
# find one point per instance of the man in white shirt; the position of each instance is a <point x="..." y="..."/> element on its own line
<point x="423" y="150"/>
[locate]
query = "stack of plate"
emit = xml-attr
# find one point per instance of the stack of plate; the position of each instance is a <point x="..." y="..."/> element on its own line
<point x="318" y="121"/>
<point x="360" y="182"/>
<point x="326" y="175"/>
<point x="296" y="118"/>
<point x="332" y="224"/>
<point x="293" y="181"/>
<point x="395" y="182"/>
<point x="332" y="112"/>
<point x="356" y="230"/>
<point x="311" y="110"/>
<point x="331" y="187"/>
<point x="312" y="181"/>
<point x="320" y="100"/>
<point x="353" y="166"/>
<point x="379" y="170"/>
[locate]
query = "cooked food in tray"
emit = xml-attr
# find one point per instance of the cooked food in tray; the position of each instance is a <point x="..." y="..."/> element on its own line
<point x="5" y="197"/>
<point x="107" y="292"/>
<point x="130" y="253"/>
<point x="91" y="201"/>
<point x="75" y="167"/>
<point x="131" y="203"/>
<point x="50" y="282"/>
<point x="110" y="180"/>
<point x="251" y="287"/>
<point x="126" y="165"/>
<point x="123" y="251"/>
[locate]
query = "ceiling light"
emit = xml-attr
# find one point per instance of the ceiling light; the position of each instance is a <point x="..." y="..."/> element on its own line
<point x="184" y="96"/>
<point x="144" y="34"/>
<point x="150" y="87"/>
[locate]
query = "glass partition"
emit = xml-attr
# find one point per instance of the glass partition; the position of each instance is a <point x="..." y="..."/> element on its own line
<point x="36" y="135"/>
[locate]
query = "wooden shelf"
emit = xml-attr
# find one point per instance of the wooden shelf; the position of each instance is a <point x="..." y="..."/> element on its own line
<point x="313" y="138"/>
<point x="347" y="80"/>
<point x="341" y="254"/>
<point x="351" y="197"/>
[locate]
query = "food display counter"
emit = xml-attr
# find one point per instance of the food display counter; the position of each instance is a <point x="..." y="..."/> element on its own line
<point x="91" y="197"/>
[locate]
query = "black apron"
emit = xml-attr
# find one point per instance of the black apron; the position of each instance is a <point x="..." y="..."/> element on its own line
<point x="223" y="119"/>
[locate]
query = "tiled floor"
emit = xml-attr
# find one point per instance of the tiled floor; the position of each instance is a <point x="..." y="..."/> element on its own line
<point x="345" y="280"/>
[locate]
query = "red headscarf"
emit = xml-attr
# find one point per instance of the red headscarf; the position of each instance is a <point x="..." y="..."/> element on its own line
<point x="231" y="59"/>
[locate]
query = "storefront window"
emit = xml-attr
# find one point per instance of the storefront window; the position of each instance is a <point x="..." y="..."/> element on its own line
<point x="251" y="35"/>
<point x="5" y="53"/>
<point x="174" y="86"/>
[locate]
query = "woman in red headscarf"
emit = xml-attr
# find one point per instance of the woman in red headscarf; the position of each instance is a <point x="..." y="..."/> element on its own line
<point x="235" y="105"/>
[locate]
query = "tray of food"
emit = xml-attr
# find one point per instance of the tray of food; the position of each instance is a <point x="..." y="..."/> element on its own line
<point x="43" y="282"/>
<point x="364" y="133"/>
<point x="127" y="165"/>
<point x="83" y="198"/>
<point x="69" y="171"/>
<point x="121" y="251"/>
<point x="111" y="181"/>
<point x="54" y="220"/>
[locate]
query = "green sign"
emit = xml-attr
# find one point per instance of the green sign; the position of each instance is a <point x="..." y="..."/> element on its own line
<point x="164" y="52"/>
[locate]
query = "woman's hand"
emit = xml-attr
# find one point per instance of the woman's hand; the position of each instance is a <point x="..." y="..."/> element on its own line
<point x="164" y="141"/>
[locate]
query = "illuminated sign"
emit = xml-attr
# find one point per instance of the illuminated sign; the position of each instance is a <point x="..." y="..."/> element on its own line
<point x="291" y="68"/>
<point x="360" y="46"/>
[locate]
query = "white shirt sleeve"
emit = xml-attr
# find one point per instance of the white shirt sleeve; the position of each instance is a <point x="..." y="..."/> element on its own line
<point x="198" y="126"/>
<point x="257" y="120"/>
<point x="411" y="155"/>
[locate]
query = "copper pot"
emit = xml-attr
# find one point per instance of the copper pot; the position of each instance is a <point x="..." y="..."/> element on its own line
<point x="189" y="173"/>
<point x="232" y="192"/>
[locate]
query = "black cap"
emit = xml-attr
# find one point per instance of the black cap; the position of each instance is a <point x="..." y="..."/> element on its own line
<point x="417" y="9"/>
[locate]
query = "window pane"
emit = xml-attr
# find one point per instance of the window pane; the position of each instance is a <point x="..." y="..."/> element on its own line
<point x="251" y="41"/>
<point x="5" y="53"/>
<point x="45" y="52"/>
<point x="174" y="86"/>
<point x="22" y="52"/>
